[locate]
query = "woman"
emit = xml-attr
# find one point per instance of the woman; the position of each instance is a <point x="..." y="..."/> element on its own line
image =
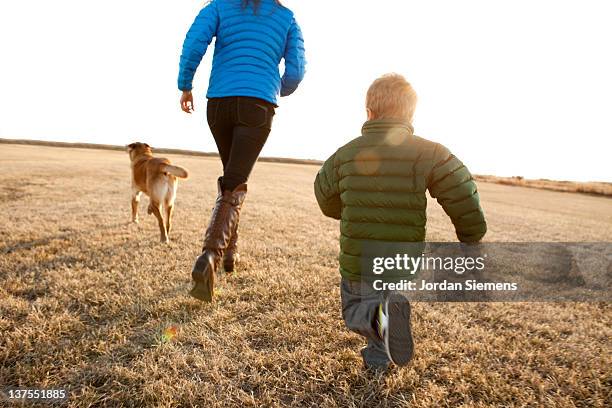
<point x="252" y="36"/>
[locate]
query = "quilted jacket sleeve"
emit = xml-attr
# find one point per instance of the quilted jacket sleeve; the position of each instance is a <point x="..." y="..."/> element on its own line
<point x="452" y="184"/>
<point x="199" y="37"/>
<point x="295" y="60"/>
<point x="327" y="189"/>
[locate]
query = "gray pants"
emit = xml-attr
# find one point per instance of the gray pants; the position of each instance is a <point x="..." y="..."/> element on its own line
<point x="359" y="308"/>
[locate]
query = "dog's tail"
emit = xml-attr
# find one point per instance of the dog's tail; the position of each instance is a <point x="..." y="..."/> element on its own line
<point x="175" y="171"/>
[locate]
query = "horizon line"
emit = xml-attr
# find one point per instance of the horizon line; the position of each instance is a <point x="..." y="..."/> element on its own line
<point x="584" y="187"/>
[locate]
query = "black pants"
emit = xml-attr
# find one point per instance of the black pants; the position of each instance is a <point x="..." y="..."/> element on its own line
<point x="240" y="126"/>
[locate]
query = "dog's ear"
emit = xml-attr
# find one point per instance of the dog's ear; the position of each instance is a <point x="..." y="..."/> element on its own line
<point x="131" y="146"/>
<point x="147" y="146"/>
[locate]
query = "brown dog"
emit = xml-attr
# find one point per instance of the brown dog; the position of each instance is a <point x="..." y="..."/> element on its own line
<point x="157" y="178"/>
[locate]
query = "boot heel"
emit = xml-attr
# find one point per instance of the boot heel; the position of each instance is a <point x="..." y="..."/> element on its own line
<point x="230" y="261"/>
<point x="228" y="266"/>
<point x="204" y="279"/>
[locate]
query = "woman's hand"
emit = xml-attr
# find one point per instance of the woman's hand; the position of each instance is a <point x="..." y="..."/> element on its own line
<point x="187" y="102"/>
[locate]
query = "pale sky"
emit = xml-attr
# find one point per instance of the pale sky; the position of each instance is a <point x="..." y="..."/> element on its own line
<point x="518" y="87"/>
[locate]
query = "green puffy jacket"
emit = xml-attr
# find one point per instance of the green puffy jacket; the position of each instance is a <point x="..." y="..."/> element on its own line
<point x="376" y="186"/>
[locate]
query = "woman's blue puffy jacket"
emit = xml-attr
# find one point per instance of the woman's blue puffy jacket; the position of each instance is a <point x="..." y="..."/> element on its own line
<point x="248" y="50"/>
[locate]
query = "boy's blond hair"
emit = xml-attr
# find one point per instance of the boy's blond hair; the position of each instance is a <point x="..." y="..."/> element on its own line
<point x="391" y="97"/>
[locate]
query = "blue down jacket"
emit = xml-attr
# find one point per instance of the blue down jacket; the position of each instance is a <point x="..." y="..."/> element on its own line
<point x="248" y="50"/>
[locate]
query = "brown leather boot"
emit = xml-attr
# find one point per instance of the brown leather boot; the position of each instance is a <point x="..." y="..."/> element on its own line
<point x="232" y="257"/>
<point x="218" y="234"/>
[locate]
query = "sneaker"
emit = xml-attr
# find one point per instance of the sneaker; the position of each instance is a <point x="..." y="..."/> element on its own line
<point x="375" y="360"/>
<point x="395" y="330"/>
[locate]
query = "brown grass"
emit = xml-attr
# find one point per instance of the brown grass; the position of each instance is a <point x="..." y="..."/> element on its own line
<point x="158" y="150"/>
<point x="592" y="187"/>
<point x="85" y="297"/>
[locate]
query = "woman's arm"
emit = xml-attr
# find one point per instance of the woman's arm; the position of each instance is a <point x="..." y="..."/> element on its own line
<point x="295" y="60"/>
<point x="198" y="38"/>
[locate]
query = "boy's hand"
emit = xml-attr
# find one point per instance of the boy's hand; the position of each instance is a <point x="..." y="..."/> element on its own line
<point x="187" y="102"/>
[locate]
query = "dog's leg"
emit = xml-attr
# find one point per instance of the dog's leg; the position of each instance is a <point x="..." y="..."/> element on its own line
<point x="155" y="208"/>
<point x="169" y="211"/>
<point x="169" y="202"/>
<point x="135" y="202"/>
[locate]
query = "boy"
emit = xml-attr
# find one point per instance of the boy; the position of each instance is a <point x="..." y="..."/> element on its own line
<point x="376" y="186"/>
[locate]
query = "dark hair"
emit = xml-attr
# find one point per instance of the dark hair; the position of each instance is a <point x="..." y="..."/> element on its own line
<point x="256" y="4"/>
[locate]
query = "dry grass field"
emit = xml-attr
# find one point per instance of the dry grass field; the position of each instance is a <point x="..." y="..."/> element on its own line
<point x="593" y="188"/>
<point x="85" y="298"/>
